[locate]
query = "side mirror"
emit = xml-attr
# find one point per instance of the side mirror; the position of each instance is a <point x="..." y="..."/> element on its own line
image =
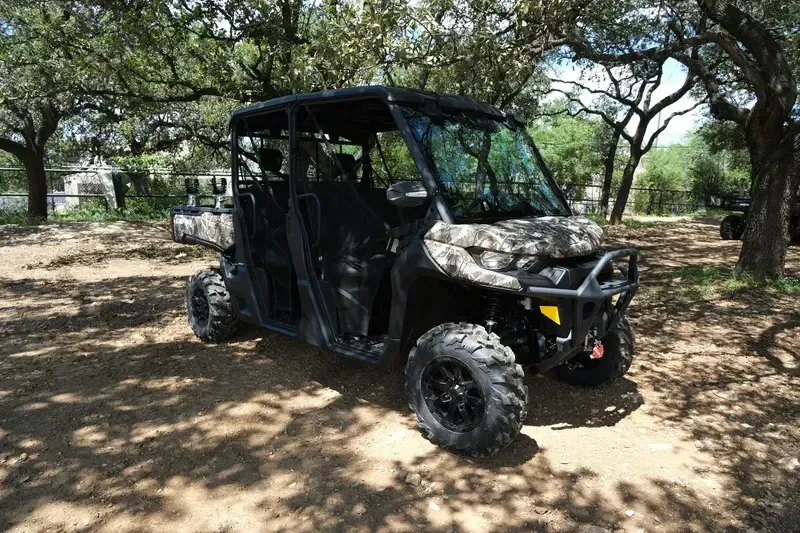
<point x="406" y="194"/>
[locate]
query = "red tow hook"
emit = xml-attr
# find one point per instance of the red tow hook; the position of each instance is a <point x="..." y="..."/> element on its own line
<point x="598" y="351"/>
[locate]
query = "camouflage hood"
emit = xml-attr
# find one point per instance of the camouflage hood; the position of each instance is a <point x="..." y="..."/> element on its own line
<point x="557" y="237"/>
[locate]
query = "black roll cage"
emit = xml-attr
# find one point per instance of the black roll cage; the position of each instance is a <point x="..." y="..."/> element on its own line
<point x="317" y="327"/>
<point x="394" y="98"/>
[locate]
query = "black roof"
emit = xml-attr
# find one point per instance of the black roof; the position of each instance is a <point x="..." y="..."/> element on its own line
<point x="387" y="94"/>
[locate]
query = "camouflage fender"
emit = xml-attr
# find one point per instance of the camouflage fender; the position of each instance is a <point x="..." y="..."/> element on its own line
<point x="458" y="263"/>
<point x="557" y="237"/>
<point x="211" y="227"/>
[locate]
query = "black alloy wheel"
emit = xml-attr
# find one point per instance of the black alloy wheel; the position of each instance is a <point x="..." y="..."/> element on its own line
<point x="199" y="307"/>
<point x="452" y="394"/>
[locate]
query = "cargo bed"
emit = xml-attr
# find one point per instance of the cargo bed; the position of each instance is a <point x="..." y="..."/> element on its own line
<point x="207" y="226"/>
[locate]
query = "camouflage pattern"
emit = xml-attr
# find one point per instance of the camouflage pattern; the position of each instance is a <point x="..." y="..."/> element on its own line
<point x="458" y="263"/>
<point x="557" y="237"/>
<point x="211" y="227"/>
<point x="546" y="236"/>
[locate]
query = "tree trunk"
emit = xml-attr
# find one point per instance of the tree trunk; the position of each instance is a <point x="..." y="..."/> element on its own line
<point x="37" y="188"/>
<point x="625" y="187"/>
<point x="608" y="175"/>
<point x="766" y="234"/>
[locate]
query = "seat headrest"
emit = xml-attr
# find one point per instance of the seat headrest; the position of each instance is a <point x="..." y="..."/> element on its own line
<point x="271" y="159"/>
<point x="348" y="162"/>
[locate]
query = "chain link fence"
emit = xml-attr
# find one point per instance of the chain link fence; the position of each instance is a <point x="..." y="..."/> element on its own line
<point x="106" y="188"/>
<point x="584" y="198"/>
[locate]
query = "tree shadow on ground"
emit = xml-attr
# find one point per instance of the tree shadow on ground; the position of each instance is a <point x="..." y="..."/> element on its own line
<point x="725" y="369"/>
<point x="114" y="422"/>
<point x="113" y="418"/>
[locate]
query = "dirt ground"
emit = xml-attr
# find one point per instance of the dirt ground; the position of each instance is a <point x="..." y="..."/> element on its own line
<point x="113" y="417"/>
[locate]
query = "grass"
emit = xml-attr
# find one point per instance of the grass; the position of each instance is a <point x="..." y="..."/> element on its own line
<point x="712" y="283"/>
<point x="647" y="221"/>
<point x="635" y="221"/>
<point x="92" y="210"/>
<point x="708" y="211"/>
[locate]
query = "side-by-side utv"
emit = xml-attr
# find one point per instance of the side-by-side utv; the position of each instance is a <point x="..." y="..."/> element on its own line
<point x="401" y="227"/>
<point x="732" y="226"/>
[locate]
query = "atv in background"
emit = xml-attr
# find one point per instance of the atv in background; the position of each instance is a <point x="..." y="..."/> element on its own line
<point x="401" y="227"/>
<point x="732" y="226"/>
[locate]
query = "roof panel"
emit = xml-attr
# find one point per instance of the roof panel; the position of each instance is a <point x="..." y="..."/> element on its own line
<point x="388" y="94"/>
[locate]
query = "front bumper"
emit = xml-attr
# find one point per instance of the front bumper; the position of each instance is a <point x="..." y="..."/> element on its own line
<point x="591" y="305"/>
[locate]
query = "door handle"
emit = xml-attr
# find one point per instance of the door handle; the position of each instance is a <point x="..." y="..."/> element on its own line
<point x="314" y="197"/>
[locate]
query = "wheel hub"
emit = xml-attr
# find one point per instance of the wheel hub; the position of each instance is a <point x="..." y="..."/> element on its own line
<point x="200" y="308"/>
<point x="452" y="394"/>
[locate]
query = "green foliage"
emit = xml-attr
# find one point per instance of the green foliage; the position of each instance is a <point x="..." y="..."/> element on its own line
<point x="664" y="179"/>
<point x="141" y="161"/>
<point x="397" y="158"/>
<point x="709" y="179"/>
<point x="481" y="49"/>
<point x="665" y="168"/>
<point x="96" y="210"/>
<point x="162" y="77"/>
<point x="12" y="180"/>
<point x="571" y="147"/>
<point x="705" y="171"/>
<point x="722" y="137"/>
<point x="13" y="216"/>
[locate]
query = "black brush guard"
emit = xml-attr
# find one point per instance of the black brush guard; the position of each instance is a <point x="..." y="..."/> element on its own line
<point x="590" y="304"/>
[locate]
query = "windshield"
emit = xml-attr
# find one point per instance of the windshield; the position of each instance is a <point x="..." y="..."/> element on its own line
<point x="487" y="169"/>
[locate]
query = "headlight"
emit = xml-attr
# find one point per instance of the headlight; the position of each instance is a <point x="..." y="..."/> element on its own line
<point x="494" y="260"/>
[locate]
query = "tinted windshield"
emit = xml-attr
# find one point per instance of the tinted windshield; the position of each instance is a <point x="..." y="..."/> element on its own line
<point x="486" y="168"/>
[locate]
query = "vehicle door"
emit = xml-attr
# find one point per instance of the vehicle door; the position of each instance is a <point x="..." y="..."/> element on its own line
<point x="260" y="149"/>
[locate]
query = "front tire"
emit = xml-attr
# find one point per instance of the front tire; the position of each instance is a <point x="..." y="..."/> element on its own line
<point x="466" y="389"/>
<point x="731" y="228"/>
<point x="209" y="308"/>
<point x="617" y="358"/>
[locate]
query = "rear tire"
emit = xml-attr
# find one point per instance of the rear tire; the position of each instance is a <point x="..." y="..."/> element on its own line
<point x="731" y="228"/>
<point x="617" y="358"/>
<point x="487" y="399"/>
<point x="209" y="308"/>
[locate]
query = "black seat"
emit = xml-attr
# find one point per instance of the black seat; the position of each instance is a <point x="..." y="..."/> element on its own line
<point x="271" y="161"/>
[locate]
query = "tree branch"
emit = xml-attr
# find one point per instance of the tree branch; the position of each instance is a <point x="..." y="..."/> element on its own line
<point x="583" y="50"/>
<point x="663" y="127"/>
<point x="737" y="55"/>
<point x="667" y="101"/>
<point x="614" y="124"/>
<point x="773" y="72"/>
<point x="655" y="84"/>
<point x="618" y="97"/>
<point x="14" y="148"/>
<point x="720" y="107"/>
<point x="193" y="96"/>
